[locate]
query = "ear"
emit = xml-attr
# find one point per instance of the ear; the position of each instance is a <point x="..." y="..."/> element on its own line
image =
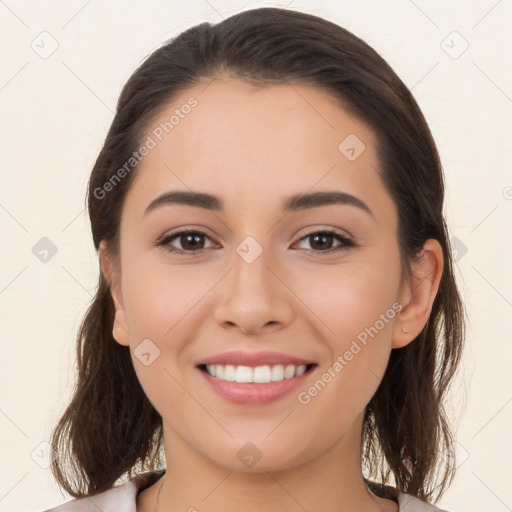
<point x="111" y="272"/>
<point x="417" y="295"/>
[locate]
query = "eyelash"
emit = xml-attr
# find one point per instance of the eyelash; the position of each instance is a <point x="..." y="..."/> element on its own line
<point x="346" y="242"/>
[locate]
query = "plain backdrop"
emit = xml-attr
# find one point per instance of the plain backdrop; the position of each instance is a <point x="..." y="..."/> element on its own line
<point x="63" y="64"/>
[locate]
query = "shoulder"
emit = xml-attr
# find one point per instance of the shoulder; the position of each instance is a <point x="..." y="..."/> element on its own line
<point x="406" y="502"/>
<point x="409" y="503"/>
<point x="122" y="497"/>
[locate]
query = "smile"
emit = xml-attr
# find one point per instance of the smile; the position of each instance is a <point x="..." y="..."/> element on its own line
<point x="256" y="375"/>
<point x="258" y="385"/>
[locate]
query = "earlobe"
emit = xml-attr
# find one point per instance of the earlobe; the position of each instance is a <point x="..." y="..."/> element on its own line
<point x="111" y="275"/>
<point x="119" y="331"/>
<point x="417" y="295"/>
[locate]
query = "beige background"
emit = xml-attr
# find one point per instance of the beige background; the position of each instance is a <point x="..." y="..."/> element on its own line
<point x="55" y="112"/>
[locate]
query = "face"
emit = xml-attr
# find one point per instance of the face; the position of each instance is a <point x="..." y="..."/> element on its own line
<point x="316" y="281"/>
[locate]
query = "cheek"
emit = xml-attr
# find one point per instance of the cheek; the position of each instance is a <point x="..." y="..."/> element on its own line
<point x="162" y="305"/>
<point x="356" y="310"/>
<point x="158" y="297"/>
<point x="351" y="299"/>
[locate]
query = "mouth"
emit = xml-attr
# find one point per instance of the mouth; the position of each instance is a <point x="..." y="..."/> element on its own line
<point x="255" y="385"/>
<point x="263" y="374"/>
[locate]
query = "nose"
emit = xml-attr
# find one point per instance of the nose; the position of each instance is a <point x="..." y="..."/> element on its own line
<point x="254" y="297"/>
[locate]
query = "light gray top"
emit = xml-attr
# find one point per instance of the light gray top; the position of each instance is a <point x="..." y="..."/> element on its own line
<point x="123" y="498"/>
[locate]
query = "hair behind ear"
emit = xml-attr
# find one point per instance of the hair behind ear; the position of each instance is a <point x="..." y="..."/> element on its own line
<point x="110" y="425"/>
<point x="406" y="419"/>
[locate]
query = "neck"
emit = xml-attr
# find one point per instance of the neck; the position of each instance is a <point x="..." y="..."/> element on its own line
<point x="330" y="482"/>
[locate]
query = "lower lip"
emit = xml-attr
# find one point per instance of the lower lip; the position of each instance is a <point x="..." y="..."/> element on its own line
<point x="252" y="393"/>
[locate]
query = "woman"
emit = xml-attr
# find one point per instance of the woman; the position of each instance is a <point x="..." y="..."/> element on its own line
<point x="277" y="316"/>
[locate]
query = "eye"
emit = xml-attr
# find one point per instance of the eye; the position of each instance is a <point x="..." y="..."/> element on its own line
<point x="193" y="242"/>
<point x="190" y="241"/>
<point x="323" y="240"/>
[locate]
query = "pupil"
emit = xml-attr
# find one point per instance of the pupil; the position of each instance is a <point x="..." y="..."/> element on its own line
<point x="323" y="237"/>
<point x="188" y="238"/>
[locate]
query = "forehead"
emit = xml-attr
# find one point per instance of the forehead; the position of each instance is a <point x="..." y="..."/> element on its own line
<point x="256" y="145"/>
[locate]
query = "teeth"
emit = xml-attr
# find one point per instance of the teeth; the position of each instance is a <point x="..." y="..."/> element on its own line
<point x="258" y="375"/>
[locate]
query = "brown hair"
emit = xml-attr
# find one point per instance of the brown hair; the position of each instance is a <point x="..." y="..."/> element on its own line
<point x="110" y="427"/>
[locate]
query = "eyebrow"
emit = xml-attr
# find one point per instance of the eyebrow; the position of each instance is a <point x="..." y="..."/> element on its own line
<point x="293" y="203"/>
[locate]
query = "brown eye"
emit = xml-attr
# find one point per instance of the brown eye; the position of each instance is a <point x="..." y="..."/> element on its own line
<point x="322" y="241"/>
<point x="190" y="242"/>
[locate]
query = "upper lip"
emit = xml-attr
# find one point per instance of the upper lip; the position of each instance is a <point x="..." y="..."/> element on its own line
<point x="240" y="358"/>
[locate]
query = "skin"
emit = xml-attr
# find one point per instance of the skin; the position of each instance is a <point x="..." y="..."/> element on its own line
<point x="253" y="147"/>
